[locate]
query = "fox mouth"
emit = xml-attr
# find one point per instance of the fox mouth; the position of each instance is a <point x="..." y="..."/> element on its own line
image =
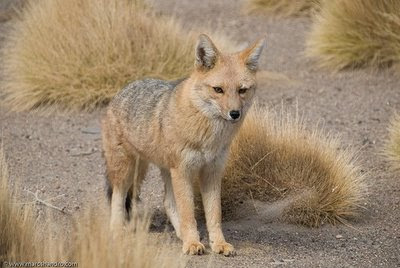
<point x="233" y="121"/>
<point x="230" y="120"/>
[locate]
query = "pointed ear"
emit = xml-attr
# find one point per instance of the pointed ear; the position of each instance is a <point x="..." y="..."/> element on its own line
<point x="206" y="53"/>
<point x="251" y="55"/>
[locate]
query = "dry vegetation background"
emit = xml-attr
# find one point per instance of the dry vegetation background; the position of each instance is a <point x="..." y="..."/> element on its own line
<point x="356" y="33"/>
<point x="75" y="55"/>
<point x="274" y="157"/>
<point x="283" y="8"/>
<point x="91" y="244"/>
<point x="348" y="34"/>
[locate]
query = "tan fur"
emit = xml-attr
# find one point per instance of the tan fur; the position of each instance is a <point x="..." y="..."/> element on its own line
<point x="186" y="129"/>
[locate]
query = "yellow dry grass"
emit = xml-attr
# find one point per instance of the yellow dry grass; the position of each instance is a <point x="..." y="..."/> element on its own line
<point x="16" y="225"/>
<point x="356" y="33"/>
<point x="392" y="146"/>
<point x="90" y="245"/>
<point x="272" y="159"/>
<point x="79" y="53"/>
<point x="283" y="8"/>
<point x="135" y="246"/>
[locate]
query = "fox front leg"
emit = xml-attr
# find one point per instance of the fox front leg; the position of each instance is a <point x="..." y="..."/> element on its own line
<point x="210" y="187"/>
<point x="183" y="191"/>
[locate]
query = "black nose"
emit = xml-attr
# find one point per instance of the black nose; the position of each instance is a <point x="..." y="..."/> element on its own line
<point x="234" y="114"/>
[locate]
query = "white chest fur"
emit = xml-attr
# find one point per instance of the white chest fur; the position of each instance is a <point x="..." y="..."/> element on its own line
<point x="213" y="148"/>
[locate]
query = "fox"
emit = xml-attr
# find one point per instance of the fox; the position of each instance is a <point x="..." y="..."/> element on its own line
<point x="185" y="128"/>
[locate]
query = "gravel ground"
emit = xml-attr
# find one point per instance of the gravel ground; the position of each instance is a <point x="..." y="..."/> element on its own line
<point x="61" y="154"/>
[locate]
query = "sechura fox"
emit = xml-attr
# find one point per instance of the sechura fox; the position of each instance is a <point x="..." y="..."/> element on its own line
<point x="185" y="128"/>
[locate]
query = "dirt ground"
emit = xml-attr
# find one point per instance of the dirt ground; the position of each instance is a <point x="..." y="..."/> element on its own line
<point x="61" y="154"/>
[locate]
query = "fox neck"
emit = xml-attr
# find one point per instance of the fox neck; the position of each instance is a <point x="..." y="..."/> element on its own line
<point x="200" y="130"/>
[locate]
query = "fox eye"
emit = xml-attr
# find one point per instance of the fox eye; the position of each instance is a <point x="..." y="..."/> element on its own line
<point x="218" y="90"/>
<point x="242" y="90"/>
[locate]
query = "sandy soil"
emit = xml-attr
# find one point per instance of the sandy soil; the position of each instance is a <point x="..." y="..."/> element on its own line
<point x="61" y="154"/>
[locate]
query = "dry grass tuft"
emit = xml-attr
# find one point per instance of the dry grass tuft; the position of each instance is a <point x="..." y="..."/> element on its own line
<point x="79" y="53"/>
<point x="356" y="33"/>
<point x="16" y="225"/>
<point x="274" y="159"/>
<point x="392" y="146"/>
<point x="283" y="8"/>
<point x="95" y="247"/>
<point x="91" y="245"/>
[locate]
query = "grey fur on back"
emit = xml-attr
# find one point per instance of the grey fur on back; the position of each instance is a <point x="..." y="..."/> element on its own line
<point x="139" y="98"/>
<point x="141" y="111"/>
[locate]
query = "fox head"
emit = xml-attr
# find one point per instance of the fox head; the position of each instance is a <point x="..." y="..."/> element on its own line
<point x="224" y="84"/>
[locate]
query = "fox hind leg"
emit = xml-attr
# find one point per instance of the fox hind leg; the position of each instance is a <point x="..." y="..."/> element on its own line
<point x="119" y="169"/>
<point x="125" y="173"/>
<point x="169" y="201"/>
<point x="137" y="177"/>
<point x="125" y="179"/>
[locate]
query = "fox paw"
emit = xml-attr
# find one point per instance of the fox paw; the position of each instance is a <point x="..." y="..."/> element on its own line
<point x="193" y="248"/>
<point x="223" y="248"/>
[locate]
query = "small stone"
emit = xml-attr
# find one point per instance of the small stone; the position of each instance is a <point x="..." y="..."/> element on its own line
<point x="339" y="236"/>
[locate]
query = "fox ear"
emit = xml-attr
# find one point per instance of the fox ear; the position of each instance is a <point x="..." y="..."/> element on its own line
<point x="251" y="55"/>
<point x="206" y="53"/>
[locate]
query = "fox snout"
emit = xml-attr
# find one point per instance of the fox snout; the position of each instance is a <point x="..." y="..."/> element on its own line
<point x="235" y="115"/>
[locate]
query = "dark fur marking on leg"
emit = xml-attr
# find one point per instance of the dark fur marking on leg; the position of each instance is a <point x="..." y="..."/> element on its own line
<point x="109" y="189"/>
<point x="128" y="203"/>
